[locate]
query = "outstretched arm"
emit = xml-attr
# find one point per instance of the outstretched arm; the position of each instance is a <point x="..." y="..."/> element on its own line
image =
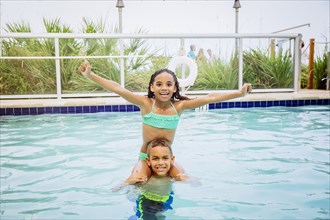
<point x="86" y="69"/>
<point x="216" y="97"/>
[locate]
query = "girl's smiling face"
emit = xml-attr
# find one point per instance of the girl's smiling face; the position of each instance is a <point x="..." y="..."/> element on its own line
<point x="159" y="160"/>
<point x="163" y="87"/>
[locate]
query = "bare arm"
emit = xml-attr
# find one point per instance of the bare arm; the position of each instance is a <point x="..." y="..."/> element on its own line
<point x="133" y="179"/>
<point x="86" y="69"/>
<point x="215" y="97"/>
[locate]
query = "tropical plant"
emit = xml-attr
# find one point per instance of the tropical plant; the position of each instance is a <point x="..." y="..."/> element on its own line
<point x="320" y="71"/>
<point x="304" y="76"/>
<point x="265" y="72"/>
<point x="138" y="81"/>
<point x="216" y="75"/>
<point x="37" y="76"/>
<point x="21" y="76"/>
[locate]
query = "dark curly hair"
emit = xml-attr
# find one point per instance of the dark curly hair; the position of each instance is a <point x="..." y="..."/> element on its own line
<point x="159" y="143"/>
<point x="175" y="95"/>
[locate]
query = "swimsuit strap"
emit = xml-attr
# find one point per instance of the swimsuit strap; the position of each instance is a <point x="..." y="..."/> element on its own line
<point x="153" y="107"/>
<point x="174" y="108"/>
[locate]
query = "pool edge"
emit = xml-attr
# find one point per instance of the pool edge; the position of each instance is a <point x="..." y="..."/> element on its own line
<point x="118" y="104"/>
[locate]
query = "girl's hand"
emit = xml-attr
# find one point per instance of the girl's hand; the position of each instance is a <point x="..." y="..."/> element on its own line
<point x="246" y="88"/>
<point x="133" y="179"/>
<point x="85" y="68"/>
<point x="181" y="177"/>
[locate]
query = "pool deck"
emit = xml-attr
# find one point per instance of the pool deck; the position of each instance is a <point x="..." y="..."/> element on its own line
<point x="25" y="103"/>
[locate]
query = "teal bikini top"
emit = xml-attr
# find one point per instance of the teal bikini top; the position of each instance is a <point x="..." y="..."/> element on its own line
<point x="161" y="121"/>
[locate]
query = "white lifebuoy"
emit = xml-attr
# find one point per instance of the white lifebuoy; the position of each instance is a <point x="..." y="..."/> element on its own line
<point x="183" y="60"/>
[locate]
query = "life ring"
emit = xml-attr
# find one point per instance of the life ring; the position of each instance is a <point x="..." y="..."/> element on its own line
<point x="183" y="60"/>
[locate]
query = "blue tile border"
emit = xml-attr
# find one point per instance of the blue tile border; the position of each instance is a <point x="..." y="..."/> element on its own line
<point x="270" y="103"/>
<point x="133" y="108"/>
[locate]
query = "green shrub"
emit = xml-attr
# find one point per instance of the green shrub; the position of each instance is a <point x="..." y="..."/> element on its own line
<point x="320" y="71"/>
<point x="38" y="76"/>
<point x="216" y="75"/>
<point x="304" y="76"/>
<point x="265" y="72"/>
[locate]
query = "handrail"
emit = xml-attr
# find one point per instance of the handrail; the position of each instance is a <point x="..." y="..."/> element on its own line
<point x="180" y="36"/>
<point x="67" y="57"/>
<point x="147" y="36"/>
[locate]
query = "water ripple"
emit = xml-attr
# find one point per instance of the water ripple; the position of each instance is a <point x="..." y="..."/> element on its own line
<point x="261" y="163"/>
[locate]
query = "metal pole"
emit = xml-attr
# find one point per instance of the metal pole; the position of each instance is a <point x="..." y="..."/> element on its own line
<point x="328" y="75"/>
<point x="272" y="48"/>
<point x="297" y="63"/>
<point x="236" y="5"/>
<point x="183" y="67"/>
<point x="58" y="69"/>
<point x="1" y="47"/>
<point x="121" y="51"/>
<point x="182" y="47"/>
<point x="120" y="11"/>
<point x="120" y="6"/>
<point x="298" y="26"/>
<point x="236" y="27"/>
<point x="240" y="64"/>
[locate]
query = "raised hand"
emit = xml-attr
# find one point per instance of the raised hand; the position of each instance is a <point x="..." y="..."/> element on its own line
<point x="246" y="88"/>
<point x="85" y="68"/>
<point x="133" y="179"/>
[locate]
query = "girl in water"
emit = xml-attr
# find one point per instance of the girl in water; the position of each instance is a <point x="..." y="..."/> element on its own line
<point x="160" y="111"/>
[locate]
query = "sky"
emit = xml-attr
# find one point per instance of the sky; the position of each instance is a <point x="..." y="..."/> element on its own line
<point x="180" y="16"/>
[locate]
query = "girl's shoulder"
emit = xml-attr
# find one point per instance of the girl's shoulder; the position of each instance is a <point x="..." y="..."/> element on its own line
<point x="147" y="105"/>
<point x="149" y="102"/>
<point x="178" y="104"/>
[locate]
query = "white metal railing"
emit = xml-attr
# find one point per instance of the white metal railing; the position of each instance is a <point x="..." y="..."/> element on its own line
<point x="181" y="37"/>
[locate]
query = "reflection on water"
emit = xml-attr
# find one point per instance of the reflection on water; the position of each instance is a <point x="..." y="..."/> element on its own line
<point x="267" y="163"/>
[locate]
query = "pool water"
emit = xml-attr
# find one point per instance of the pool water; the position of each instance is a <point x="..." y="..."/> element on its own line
<point x="258" y="163"/>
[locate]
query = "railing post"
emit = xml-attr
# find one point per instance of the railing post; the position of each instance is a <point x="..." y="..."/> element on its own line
<point x="122" y="72"/>
<point x="183" y="67"/>
<point x="328" y="70"/>
<point x="120" y="6"/>
<point x="182" y="51"/>
<point x="272" y="48"/>
<point x="297" y="63"/>
<point x="310" y="82"/>
<point x="240" y="64"/>
<point x="58" y="68"/>
<point x="0" y="47"/>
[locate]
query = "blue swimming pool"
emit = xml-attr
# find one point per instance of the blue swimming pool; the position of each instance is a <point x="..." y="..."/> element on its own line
<point x="256" y="163"/>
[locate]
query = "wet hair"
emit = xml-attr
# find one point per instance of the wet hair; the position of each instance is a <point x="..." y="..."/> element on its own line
<point x="175" y="95"/>
<point x="159" y="143"/>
